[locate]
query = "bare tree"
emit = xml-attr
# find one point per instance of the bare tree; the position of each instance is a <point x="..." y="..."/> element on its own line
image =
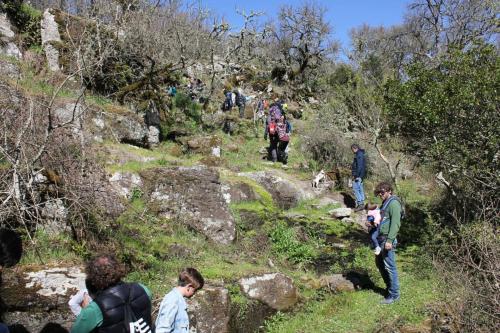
<point x="303" y="39"/>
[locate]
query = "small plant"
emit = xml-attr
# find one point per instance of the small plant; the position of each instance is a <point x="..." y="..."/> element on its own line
<point x="136" y="194"/>
<point x="285" y="243"/>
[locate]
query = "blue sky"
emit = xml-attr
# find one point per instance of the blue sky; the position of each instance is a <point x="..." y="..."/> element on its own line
<point x="342" y="14"/>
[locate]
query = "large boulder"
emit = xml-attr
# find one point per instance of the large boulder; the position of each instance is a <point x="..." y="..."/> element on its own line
<point x="202" y="144"/>
<point x="50" y="39"/>
<point x="33" y="296"/>
<point x="7" y="38"/>
<point x="286" y="193"/>
<point x="193" y="196"/>
<point x="209" y="311"/>
<point x="239" y="192"/>
<point x="274" y="289"/>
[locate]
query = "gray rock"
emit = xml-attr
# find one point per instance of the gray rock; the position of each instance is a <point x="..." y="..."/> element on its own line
<point x="35" y="297"/>
<point x="8" y="69"/>
<point x="209" y="310"/>
<point x="50" y="35"/>
<point x="341" y="212"/>
<point x="153" y="136"/>
<point x="337" y="283"/>
<point x="275" y="290"/>
<point x="348" y="220"/>
<point x="128" y="129"/>
<point x="55" y="215"/>
<point x="70" y="114"/>
<point x="239" y="192"/>
<point x="193" y="196"/>
<point x="124" y="183"/>
<point x="7" y="38"/>
<point x="286" y="193"/>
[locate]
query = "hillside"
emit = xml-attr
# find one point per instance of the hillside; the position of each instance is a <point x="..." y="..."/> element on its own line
<point x="99" y="156"/>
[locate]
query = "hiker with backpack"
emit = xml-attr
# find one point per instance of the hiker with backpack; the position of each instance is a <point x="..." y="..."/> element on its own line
<point x="284" y="129"/>
<point x="271" y="130"/>
<point x="391" y="212"/>
<point x="117" y="306"/>
<point x="241" y="101"/>
<point x="227" y="105"/>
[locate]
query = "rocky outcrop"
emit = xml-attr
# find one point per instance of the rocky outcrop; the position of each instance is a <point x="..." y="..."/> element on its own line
<point x="239" y="192"/>
<point x="286" y="193"/>
<point x="193" y="196"/>
<point x="275" y="290"/>
<point x="8" y="69"/>
<point x="209" y="311"/>
<point x="7" y="38"/>
<point x="50" y="39"/>
<point x="54" y="215"/>
<point x="34" y="297"/>
<point x="203" y="144"/>
<point x="124" y="183"/>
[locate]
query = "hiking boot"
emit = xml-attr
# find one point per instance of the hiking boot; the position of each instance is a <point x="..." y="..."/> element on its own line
<point x="389" y="300"/>
<point x="359" y="208"/>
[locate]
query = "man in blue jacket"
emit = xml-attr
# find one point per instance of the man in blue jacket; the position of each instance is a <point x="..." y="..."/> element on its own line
<point x="358" y="173"/>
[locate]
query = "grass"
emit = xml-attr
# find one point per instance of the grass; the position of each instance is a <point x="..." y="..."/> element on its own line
<point x="360" y="311"/>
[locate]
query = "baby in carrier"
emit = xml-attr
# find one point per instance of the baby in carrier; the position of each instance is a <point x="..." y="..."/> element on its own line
<point x="374" y="218"/>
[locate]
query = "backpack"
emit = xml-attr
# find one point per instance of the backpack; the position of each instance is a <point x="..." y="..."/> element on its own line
<point x="275" y="112"/>
<point x="386" y="204"/>
<point x="272" y="127"/>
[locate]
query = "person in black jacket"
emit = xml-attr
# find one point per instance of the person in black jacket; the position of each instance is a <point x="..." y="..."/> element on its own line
<point x="117" y="305"/>
<point x="358" y="174"/>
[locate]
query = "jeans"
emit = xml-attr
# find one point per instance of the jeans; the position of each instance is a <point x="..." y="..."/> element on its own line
<point x="386" y="264"/>
<point x="359" y="193"/>
<point x="374" y="231"/>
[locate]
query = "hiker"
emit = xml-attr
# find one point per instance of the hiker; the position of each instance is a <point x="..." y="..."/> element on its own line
<point x="391" y="213"/>
<point x="373" y="219"/>
<point x="11" y="248"/>
<point x="118" y="306"/>
<point x="172" y="91"/>
<point x="271" y="131"/>
<point x="173" y="316"/>
<point x="82" y="298"/>
<point x="227" y="105"/>
<point x="240" y="102"/>
<point x="358" y="173"/>
<point x="284" y="130"/>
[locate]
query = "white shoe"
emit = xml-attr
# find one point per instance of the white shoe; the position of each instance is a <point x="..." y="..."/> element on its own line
<point x="377" y="250"/>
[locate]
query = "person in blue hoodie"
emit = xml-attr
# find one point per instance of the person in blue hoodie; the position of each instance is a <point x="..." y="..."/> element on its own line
<point x="358" y="168"/>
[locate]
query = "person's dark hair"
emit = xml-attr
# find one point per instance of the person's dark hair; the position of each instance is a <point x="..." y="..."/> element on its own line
<point x="104" y="271"/>
<point x="18" y="328"/>
<point x="91" y="288"/>
<point x="11" y="248"/>
<point x="355" y="146"/>
<point x="191" y="276"/>
<point x="53" y="328"/>
<point x="382" y="187"/>
<point x="371" y="206"/>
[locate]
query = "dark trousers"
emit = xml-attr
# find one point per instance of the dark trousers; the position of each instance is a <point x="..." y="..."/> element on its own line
<point x="273" y="148"/>
<point x="282" y="156"/>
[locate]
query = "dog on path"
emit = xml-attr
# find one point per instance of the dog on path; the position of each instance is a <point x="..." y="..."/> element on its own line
<point x="319" y="177"/>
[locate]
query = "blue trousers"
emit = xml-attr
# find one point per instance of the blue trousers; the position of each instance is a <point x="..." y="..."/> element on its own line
<point x="386" y="264"/>
<point x="359" y="192"/>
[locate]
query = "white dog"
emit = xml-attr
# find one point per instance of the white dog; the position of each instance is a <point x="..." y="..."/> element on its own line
<point x="319" y="177"/>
